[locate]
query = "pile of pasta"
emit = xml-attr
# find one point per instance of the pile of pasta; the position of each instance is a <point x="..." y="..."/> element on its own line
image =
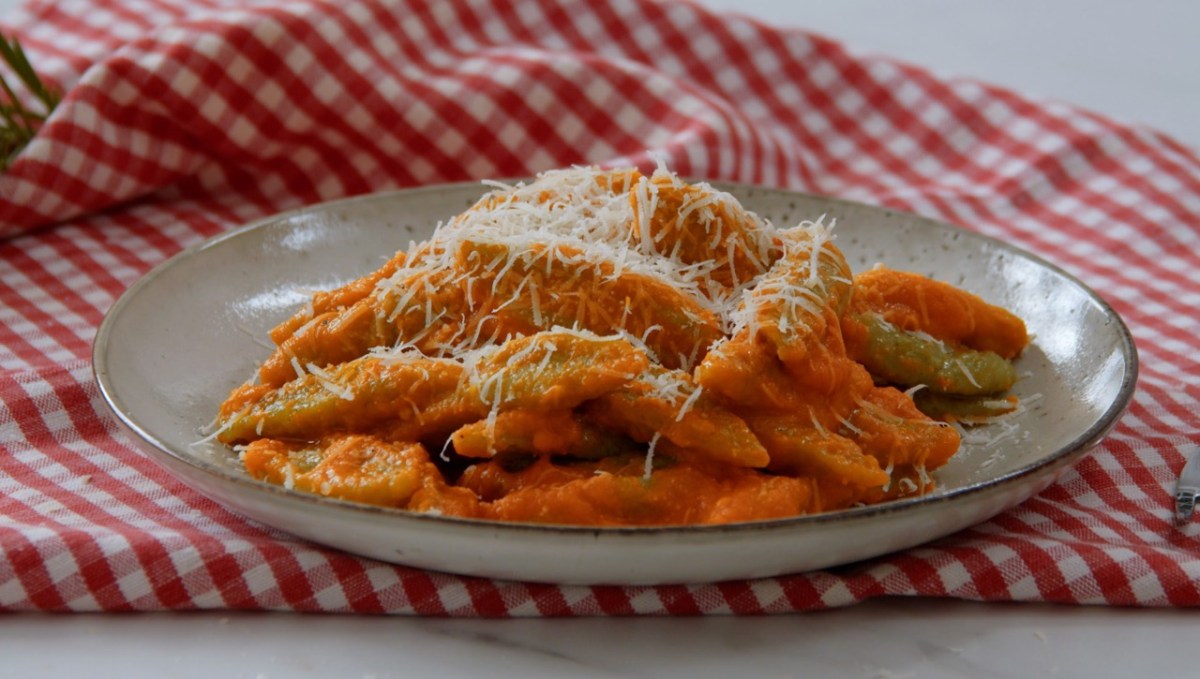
<point x="607" y="347"/>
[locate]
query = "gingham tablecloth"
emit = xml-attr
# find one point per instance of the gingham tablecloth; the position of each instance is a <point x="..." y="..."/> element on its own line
<point x="186" y="118"/>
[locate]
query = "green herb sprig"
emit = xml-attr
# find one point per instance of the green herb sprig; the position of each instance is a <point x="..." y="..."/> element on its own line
<point x="19" y="123"/>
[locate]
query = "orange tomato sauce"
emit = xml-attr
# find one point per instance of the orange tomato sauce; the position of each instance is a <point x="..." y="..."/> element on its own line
<point x="703" y="370"/>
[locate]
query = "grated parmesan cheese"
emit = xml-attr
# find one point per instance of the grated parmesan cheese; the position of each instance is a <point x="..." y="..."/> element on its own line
<point x="584" y="227"/>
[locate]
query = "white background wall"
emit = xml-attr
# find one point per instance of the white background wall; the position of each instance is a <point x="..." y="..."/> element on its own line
<point x="1136" y="61"/>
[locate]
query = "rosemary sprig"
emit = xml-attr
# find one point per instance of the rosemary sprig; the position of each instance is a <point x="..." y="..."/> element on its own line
<point x="19" y="123"/>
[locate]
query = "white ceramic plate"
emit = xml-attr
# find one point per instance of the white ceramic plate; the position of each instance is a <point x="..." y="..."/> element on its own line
<point x="176" y="342"/>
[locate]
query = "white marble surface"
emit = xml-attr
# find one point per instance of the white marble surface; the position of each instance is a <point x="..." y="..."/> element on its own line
<point x="1133" y="60"/>
<point x="923" y="639"/>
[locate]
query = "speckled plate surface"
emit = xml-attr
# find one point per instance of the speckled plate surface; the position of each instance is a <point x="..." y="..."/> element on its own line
<point x="176" y="342"/>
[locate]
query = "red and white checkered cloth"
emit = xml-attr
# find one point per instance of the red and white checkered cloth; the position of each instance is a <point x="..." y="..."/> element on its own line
<point x="185" y="118"/>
